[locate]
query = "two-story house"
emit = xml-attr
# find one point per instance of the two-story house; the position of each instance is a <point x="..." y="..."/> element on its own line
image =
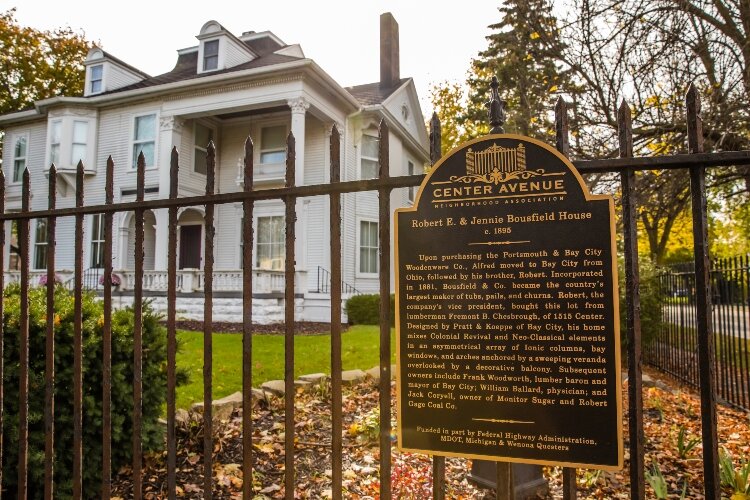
<point x="222" y="89"/>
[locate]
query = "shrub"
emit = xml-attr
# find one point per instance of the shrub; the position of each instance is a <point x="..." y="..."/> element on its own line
<point x="154" y="388"/>
<point x="365" y="309"/>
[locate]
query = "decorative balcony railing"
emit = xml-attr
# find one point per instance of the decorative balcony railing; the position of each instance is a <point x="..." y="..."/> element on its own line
<point x="188" y="280"/>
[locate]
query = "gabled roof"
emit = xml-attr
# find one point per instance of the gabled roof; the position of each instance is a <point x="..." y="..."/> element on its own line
<point x="372" y="93"/>
<point x="107" y="55"/>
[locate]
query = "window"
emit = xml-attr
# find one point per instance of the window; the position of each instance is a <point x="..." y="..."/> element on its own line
<point x="270" y="246"/>
<point x="211" y="55"/>
<point x="78" y="149"/>
<point x="55" y="134"/>
<point x="40" y="245"/>
<point x="97" y="241"/>
<point x="97" y="72"/>
<point x="368" y="247"/>
<point x="412" y="190"/>
<point x="19" y="159"/>
<point x="273" y="144"/>
<point x="144" y="139"/>
<point x="203" y="135"/>
<point x="369" y="164"/>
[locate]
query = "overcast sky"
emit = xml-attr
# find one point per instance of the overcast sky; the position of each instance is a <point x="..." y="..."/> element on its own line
<point x="437" y="38"/>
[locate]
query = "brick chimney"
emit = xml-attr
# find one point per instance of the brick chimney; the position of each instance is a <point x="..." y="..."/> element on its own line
<point x="389" y="64"/>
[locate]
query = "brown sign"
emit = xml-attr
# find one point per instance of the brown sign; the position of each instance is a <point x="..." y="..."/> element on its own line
<point x="507" y="318"/>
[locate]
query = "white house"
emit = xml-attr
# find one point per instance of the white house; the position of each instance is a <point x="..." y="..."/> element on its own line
<point x="223" y="89"/>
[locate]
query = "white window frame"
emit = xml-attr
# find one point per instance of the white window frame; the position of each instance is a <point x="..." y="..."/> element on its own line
<point x="256" y="232"/>
<point x="370" y="158"/>
<point x="201" y="147"/>
<point x="92" y="80"/>
<point x="262" y="150"/>
<point x="39" y="244"/>
<point x="133" y="158"/>
<point x="50" y="159"/>
<point x="74" y="161"/>
<point x="205" y="57"/>
<point x="97" y="240"/>
<point x="359" y="272"/>
<point x="25" y="158"/>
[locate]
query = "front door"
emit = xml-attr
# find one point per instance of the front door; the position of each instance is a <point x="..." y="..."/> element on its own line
<point x="190" y="247"/>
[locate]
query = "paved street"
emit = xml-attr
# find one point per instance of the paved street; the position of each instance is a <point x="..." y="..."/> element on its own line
<point x="728" y="319"/>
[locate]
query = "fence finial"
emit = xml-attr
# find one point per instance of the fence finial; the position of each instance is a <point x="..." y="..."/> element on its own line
<point x="496" y="108"/>
<point x="436" y="150"/>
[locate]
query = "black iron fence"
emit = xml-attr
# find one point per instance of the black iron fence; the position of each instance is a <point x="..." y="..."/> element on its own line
<point x="694" y="164"/>
<point x="675" y="349"/>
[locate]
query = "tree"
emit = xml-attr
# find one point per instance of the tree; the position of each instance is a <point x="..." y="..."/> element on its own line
<point x="38" y="64"/>
<point x="649" y="52"/>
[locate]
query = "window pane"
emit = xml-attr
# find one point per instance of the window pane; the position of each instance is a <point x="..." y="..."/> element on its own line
<point x="211" y="48"/>
<point x="96" y="72"/>
<point x="20" y="147"/>
<point x="203" y="135"/>
<point x="96" y="86"/>
<point x="369" y="146"/>
<point x="369" y="169"/>
<point x="199" y="161"/>
<point x="270" y="243"/>
<point x="273" y="157"/>
<point x="18" y="168"/>
<point x="54" y="154"/>
<point x="148" y="153"/>
<point x="273" y="137"/>
<point x="145" y="128"/>
<point x="40" y="247"/>
<point x="80" y="132"/>
<point x="78" y="152"/>
<point x="55" y="133"/>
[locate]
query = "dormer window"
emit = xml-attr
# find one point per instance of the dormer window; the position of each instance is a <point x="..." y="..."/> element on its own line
<point x="97" y="73"/>
<point x="211" y="55"/>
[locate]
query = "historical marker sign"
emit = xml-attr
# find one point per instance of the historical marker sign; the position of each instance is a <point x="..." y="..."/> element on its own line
<point x="508" y="332"/>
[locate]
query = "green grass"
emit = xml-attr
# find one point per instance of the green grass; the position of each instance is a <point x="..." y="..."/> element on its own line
<point x="360" y="348"/>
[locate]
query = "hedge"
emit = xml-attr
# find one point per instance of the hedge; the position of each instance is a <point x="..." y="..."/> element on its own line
<point x="154" y="390"/>
<point x="365" y="309"/>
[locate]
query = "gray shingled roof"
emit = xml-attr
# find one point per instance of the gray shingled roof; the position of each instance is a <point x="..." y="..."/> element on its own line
<point x="372" y="93"/>
<point x="186" y="67"/>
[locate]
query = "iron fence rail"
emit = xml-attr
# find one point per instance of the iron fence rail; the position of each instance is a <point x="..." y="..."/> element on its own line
<point x="626" y="166"/>
<point x="675" y="349"/>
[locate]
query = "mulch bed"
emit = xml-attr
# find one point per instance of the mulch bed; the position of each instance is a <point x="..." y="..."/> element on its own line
<point x="666" y="410"/>
<point x="300" y="327"/>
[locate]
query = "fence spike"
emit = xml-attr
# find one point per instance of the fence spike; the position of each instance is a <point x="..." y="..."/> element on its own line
<point x="436" y="146"/>
<point x="694" y="120"/>
<point x="562" y="127"/>
<point x="496" y="108"/>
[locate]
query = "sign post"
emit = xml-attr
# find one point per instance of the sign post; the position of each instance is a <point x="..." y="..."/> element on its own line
<point x="507" y="314"/>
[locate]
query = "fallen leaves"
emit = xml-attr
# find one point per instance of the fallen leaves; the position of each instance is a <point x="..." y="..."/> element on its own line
<point x="668" y="413"/>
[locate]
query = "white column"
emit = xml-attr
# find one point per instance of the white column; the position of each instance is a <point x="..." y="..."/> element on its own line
<point x="299" y="108"/>
<point x="161" y="241"/>
<point x="170" y="135"/>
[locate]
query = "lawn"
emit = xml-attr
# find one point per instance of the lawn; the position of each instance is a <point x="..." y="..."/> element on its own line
<point x="360" y="348"/>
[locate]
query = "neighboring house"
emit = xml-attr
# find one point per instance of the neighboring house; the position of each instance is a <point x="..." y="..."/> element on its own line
<point x="224" y="89"/>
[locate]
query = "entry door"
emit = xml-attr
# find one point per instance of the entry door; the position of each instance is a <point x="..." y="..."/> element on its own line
<point x="190" y="247"/>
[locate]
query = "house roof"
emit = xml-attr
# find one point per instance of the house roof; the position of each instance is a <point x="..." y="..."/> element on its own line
<point x="372" y="93"/>
<point x="186" y="67"/>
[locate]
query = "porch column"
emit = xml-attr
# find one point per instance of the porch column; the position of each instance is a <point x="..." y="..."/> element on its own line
<point x="170" y="135"/>
<point x="161" y="241"/>
<point x="299" y="108"/>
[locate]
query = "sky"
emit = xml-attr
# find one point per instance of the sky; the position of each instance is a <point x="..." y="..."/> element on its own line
<point x="438" y="38"/>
